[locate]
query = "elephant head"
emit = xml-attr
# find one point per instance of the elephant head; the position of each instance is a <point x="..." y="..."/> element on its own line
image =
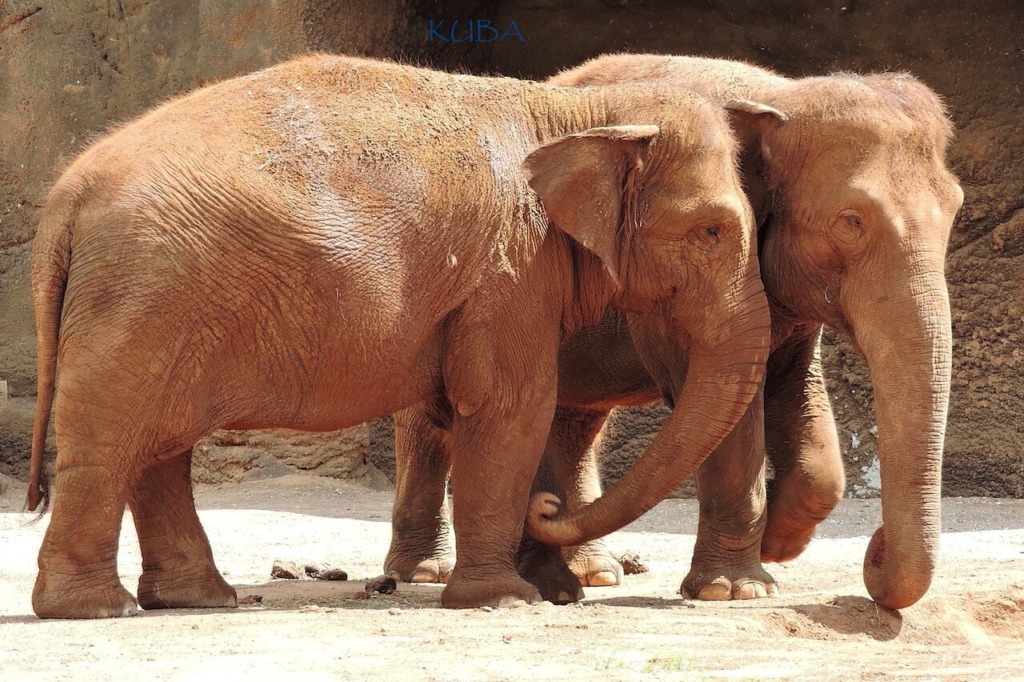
<point x="674" y="232"/>
<point x="861" y="207"/>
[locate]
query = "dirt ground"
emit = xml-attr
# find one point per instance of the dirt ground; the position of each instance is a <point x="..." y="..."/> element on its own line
<point x="970" y="626"/>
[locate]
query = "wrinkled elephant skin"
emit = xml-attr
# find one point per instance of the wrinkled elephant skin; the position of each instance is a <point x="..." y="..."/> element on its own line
<point x="334" y="239"/>
<point x="854" y="205"/>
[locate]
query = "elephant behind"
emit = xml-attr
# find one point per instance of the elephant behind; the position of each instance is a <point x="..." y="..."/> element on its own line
<point x="332" y="239"/>
<point x="854" y="205"/>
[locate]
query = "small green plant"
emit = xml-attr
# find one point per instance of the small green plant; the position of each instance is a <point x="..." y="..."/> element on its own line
<point x="675" y="662"/>
<point x="611" y="663"/>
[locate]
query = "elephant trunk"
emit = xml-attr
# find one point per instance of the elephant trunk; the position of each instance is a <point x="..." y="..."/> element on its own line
<point x="909" y="354"/>
<point x="725" y="371"/>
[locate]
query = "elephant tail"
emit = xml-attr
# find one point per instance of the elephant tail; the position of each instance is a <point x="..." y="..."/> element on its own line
<point x="51" y="260"/>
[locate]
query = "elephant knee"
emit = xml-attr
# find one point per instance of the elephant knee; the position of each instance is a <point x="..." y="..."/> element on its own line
<point x="825" y="489"/>
<point x="810" y="496"/>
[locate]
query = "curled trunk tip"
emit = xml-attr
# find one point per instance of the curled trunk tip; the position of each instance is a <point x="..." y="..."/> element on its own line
<point x="540" y="518"/>
<point x="892" y="586"/>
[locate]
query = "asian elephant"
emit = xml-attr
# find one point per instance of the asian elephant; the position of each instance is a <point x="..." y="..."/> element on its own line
<point x="333" y="239"/>
<point x="854" y="205"/>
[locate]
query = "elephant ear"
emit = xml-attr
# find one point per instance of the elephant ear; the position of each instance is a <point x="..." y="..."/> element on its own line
<point x="753" y="117"/>
<point x="753" y="122"/>
<point x="580" y="181"/>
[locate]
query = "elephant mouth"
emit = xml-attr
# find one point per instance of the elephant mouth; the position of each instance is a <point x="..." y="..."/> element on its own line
<point x="763" y="228"/>
<point x="669" y="399"/>
<point x="772" y="280"/>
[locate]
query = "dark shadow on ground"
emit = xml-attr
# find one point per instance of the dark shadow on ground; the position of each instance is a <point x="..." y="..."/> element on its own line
<point x="844" y="616"/>
<point x="350" y="594"/>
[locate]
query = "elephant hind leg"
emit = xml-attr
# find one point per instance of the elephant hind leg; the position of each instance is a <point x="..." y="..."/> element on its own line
<point x="78" y="560"/>
<point x="104" y="439"/>
<point x="178" y="570"/>
<point x="572" y="451"/>
<point x="421" y="550"/>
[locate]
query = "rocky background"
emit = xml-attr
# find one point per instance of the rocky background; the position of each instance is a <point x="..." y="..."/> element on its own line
<point x="71" y="68"/>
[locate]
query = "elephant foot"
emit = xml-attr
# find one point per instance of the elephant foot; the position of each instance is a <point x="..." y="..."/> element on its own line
<point x="430" y="570"/>
<point x="544" y="567"/>
<point x="789" y="529"/>
<point x="63" y="595"/>
<point x="594" y="564"/>
<point x="796" y="505"/>
<point x="176" y="590"/>
<point x="780" y="544"/>
<point x="710" y="584"/>
<point x="413" y="560"/>
<point x="499" y="590"/>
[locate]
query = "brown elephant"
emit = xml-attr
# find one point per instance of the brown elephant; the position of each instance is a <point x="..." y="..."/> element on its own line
<point x="854" y="205"/>
<point x="334" y="239"/>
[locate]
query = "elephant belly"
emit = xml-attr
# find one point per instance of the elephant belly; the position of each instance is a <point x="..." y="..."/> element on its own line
<point x="352" y="378"/>
<point x="598" y="368"/>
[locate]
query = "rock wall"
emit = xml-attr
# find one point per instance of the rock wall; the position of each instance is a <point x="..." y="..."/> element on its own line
<point x="231" y="456"/>
<point x="70" y="69"/>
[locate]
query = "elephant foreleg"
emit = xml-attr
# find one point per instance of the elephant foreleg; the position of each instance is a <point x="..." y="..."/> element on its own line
<point x="177" y="563"/>
<point x="421" y="550"/>
<point x="730" y="486"/>
<point x="501" y="382"/>
<point x="495" y="457"/>
<point x="803" y="445"/>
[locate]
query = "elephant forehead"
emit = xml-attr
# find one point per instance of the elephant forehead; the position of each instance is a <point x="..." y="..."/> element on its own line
<point x="704" y="145"/>
<point x="696" y="168"/>
<point x="882" y="177"/>
<point x="862" y="131"/>
<point x="714" y="205"/>
<point x="816" y="159"/>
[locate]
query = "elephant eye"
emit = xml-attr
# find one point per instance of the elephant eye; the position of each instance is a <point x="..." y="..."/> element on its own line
<point x="849" y="231"/>
<point x="712" y="232"/>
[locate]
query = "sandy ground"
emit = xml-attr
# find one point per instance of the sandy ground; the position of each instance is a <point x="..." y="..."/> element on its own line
<point x="970" y="626"/>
